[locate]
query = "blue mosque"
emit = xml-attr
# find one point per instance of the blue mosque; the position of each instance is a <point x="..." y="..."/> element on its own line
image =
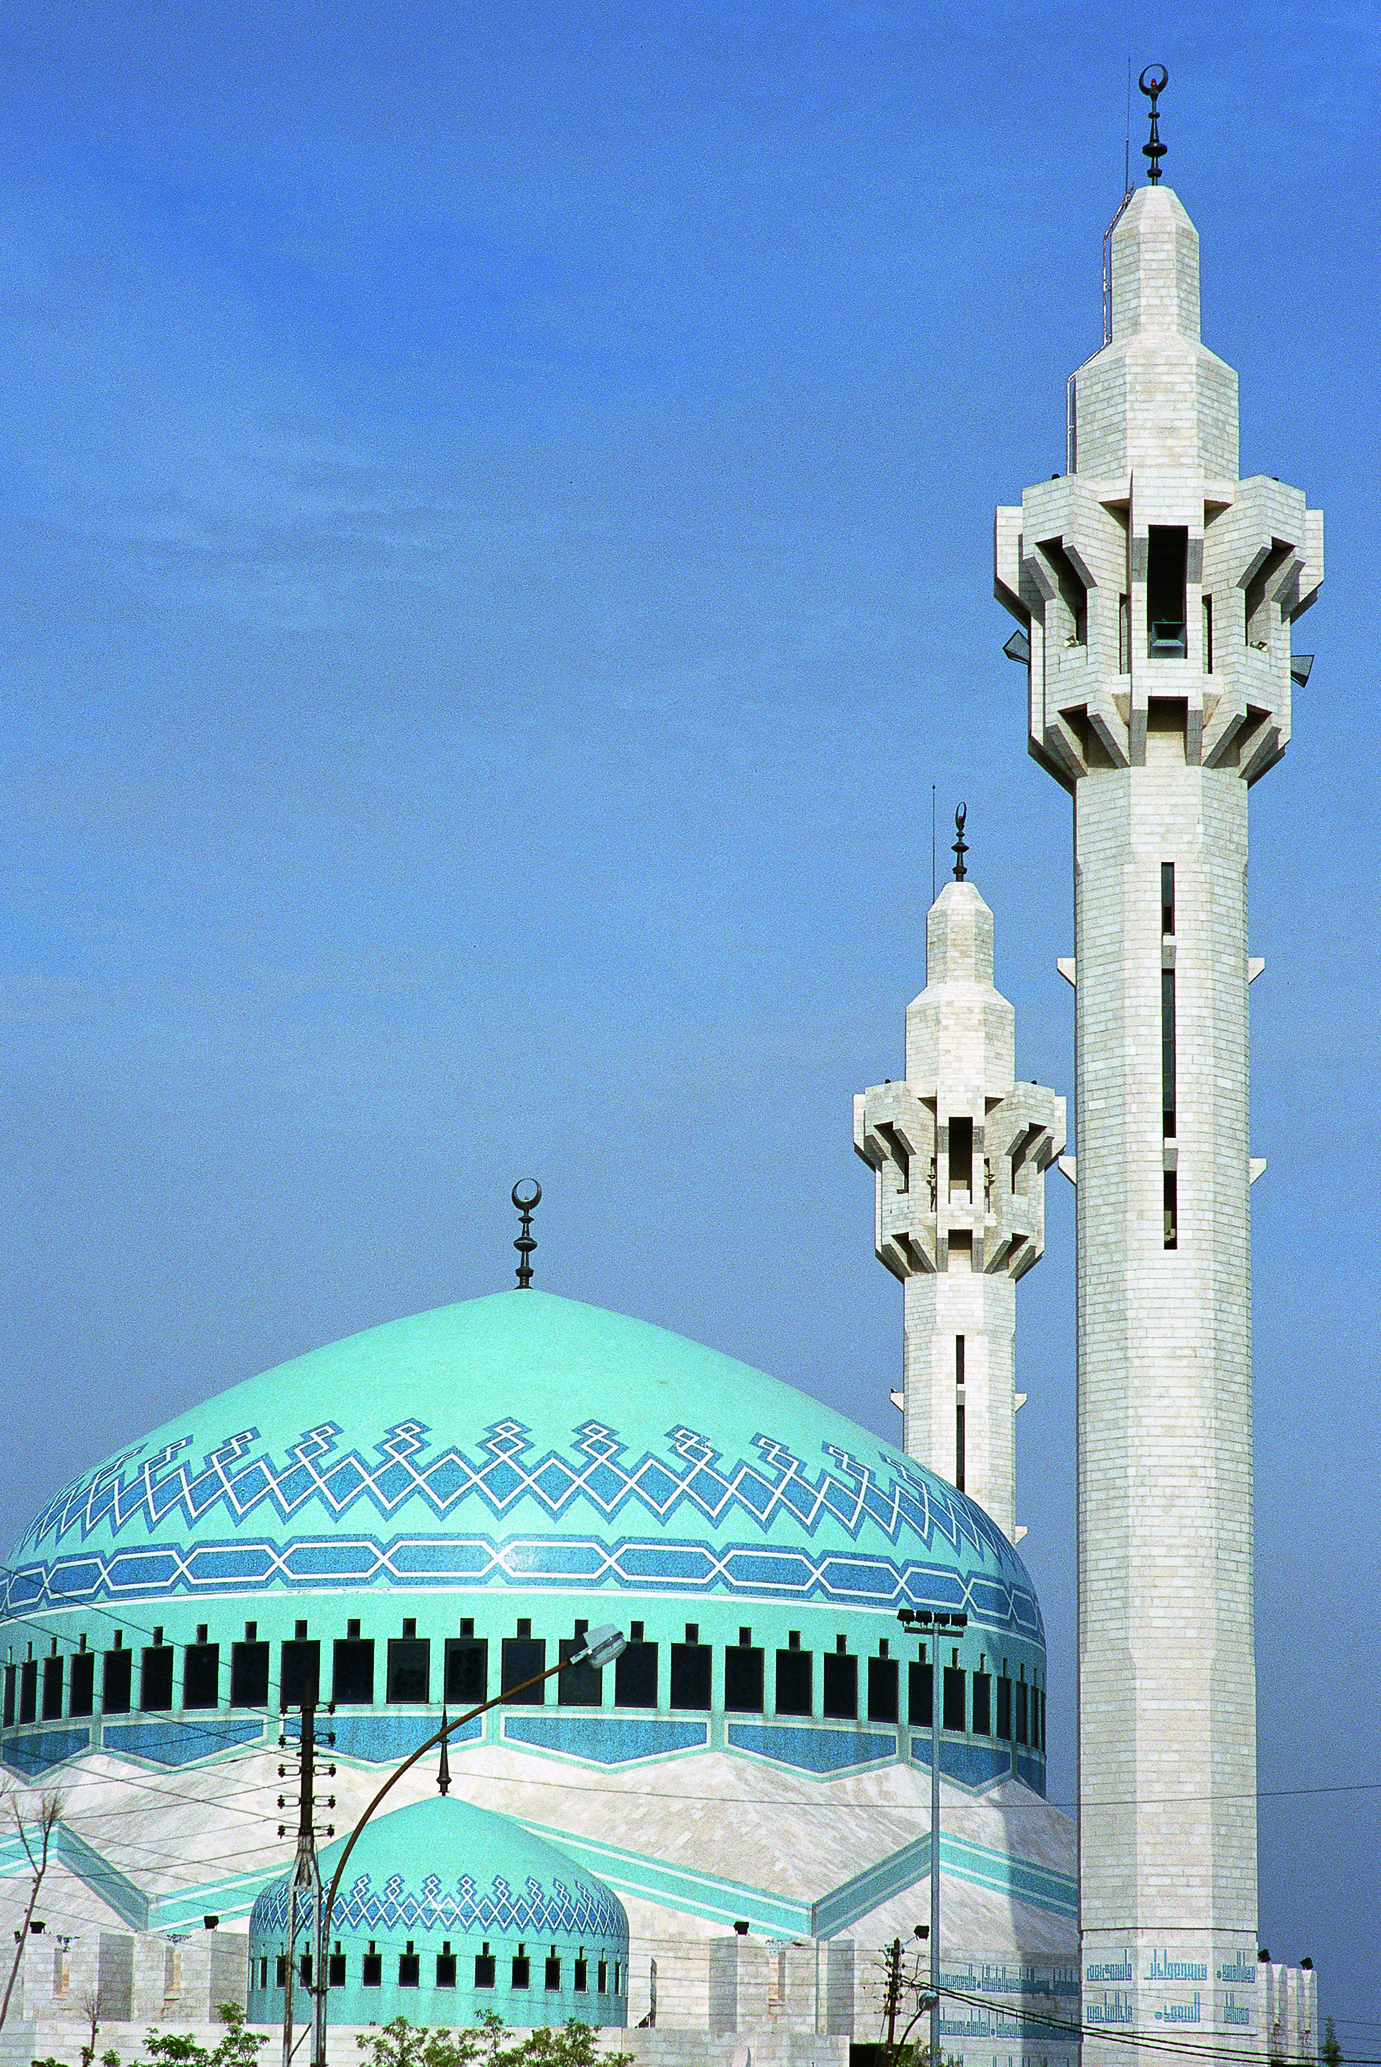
<point x="717" y="1831"/>
<point x="821" y="1731"/>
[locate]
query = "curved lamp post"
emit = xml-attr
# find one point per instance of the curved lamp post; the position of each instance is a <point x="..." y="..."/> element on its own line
<point x="601" y="1647"/>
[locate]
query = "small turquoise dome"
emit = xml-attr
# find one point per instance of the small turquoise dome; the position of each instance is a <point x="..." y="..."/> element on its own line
<point x="446" y="1911"/>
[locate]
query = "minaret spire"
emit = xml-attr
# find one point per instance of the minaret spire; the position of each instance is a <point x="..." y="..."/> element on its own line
<point x="1158" y="590"/>
<point x="960" y="1150"/>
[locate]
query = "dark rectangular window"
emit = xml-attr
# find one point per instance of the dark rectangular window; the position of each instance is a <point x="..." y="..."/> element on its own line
<point x="1022" y="1692"/>
<point x="953" y="1716"/>
<point x="959" y="1445"/>
<point x="522" y="1658"/>
<point x="918" y="1695"/>
<point x="1124" y="635"/>
<point x="882" y="1690"/>
<point x="409" y="1968"/>
<point x="582" y="1976"/>
<point x="409" y="1668"/>
<point x="743" y="1679"/>
<point x="249" y="1675"/>
<point x="352" y="1669"/>
<point x="1167" y="899"/>
<point x="983" y="1704"/>
<point x="28" y="1691"/>
<point x="201" y="1676"/>
<point x="304" y="1969"/>
<point x="372" y="1968"/>
<point x="467" y="1671"/>
<point x="522" y="1968"/>
<point x="579" y="1686"/>
<point x="961" y="1158"/>
<point x="280" y="1971"/>
<point x="445" y="1970"/>
<point x="335" y="1969"/>
<point x="81" y="1698"/>
<point x="1167" y="563"/>
<point x="840" y="1689"/>
<point x="1004" y="1707"/>
<point x="1208" y="635"/>
<point x="551" y="1977"/>
<point x="690" y="1676"/>
<point x="795" y="1682"/>
<point x="1167" y="1051"/>
<point x="484" y="1969"/>
<point x="1171" y="1188"/>
<point x="300" y="1672"/>
<point x="11" y="1679"/>
<point x="115" y="1682"/>
<point x="156" y="1677"/>
<point x="52" y="1689"/>
<point x="603" y="1977"/>
<point x="635" y="1677"/>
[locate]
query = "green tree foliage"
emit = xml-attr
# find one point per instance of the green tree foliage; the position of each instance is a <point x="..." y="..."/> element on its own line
<point x="239" y="2047"/>
<point x="401" y="2044"/>
<point x="1330" y="2052"/>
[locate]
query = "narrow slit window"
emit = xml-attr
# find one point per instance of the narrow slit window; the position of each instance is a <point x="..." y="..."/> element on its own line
<point x="1172" y="1210"/>
<point x="1167" y="900"/>
<point x="1167" y="562"/>
<point x="959" y="1446"/>
<point x="961" y="1158"/>
<point x="1124" y="635"/>
<point x="1167" y="1052"/>
<point x="1208" y="635"/>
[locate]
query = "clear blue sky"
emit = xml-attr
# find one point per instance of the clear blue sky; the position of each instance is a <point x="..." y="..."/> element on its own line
<point x="496" y="507"/>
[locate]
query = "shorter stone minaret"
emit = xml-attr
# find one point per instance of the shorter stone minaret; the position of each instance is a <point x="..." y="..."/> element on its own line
<point x="960" y="1150"/>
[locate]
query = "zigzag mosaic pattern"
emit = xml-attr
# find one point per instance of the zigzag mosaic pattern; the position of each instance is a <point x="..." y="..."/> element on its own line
<point x="584" y="1911"/>
<point x="601" y="1476"/>
<point x="553" y="1563"/>
<point x="693" y="1483"/>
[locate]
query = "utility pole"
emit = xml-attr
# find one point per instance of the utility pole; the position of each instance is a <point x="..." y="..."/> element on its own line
<point x="893" y="1997"/>
<point x="306" y="1874"/>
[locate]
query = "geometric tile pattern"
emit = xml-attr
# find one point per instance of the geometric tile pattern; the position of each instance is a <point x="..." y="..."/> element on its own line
<point x="606" y="1740"/>
<point x="554" y="1563"/>
<point x="579" y="1912"/>
<point x="238" y="1485"/>
<point x="813" y="1751"/>
<point x="601" y="1477"/>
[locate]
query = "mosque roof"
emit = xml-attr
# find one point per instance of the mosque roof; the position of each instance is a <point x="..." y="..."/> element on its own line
<point x="441" y="1864"/>
<point x="519" y="1440"/>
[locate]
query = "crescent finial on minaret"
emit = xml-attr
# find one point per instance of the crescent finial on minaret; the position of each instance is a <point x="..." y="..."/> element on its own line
<point x="1153" y="83"/>
<point x="960" y="847"/>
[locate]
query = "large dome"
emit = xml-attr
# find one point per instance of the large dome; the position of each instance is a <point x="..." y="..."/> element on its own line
<point x="435" y="1510"/>
<point x="518" y="1441"/>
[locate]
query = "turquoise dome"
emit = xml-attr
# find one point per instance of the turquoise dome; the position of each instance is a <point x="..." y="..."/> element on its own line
<point x="524" y="1442"/>
<point x="438" y="1509"/>
<point x="445" y="1911"/>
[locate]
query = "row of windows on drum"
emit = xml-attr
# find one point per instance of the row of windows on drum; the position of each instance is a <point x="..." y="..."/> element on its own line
<point x="486" y="1973"/>
<point x="982" y="1703"/>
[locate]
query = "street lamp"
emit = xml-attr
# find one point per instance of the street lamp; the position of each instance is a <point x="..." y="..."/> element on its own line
<point x="601" y="1647"/>
<point x="928" y="1622"/>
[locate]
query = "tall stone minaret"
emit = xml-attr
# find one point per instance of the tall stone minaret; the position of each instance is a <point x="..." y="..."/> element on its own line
<point x="960" y="1150"/>
<point x="1158" y="590"/>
